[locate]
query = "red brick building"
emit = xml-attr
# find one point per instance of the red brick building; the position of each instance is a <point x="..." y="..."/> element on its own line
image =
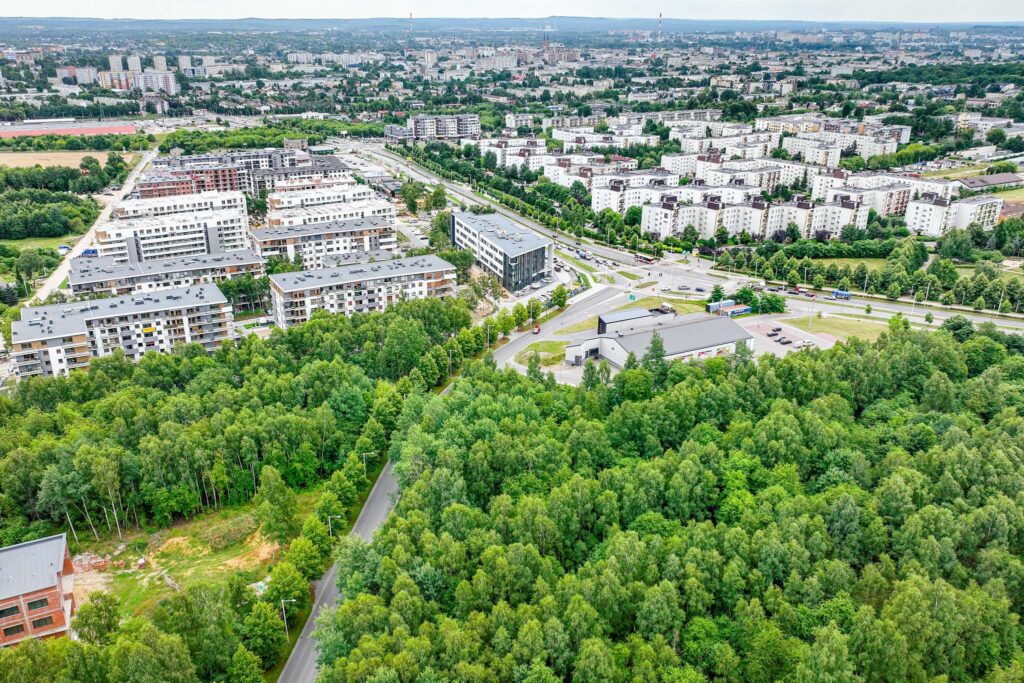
<point x="36" y="598"/>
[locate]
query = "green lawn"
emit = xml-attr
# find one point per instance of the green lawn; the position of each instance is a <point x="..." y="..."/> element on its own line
<point x="576" y="262"/>
<point x="681" y="305"/>
<point x="44" y="242"/>
<point x="628" y="275"/>
<point x="645" y="285"/>
<point x="961" y="172"/>
<point x="968" y="271"/>
<point x="551" y="352"/>
<point x="871" y="263"/>
<point x="1014" y="195"/>
<point x="839" y="327"/>
<point x="589" y="323"/>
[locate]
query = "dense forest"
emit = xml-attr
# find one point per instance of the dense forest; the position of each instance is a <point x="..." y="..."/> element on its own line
<point x="271" y="135"/>
<point x="845" y="515"/>
<point x="76" y="142"/>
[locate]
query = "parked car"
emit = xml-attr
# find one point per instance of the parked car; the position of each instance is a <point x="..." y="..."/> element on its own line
<point x="804" y="343"/>
<point x="772" y="334"/>
<point x="684" y="288"/>
<point x="700" y="289"/>
<point x="536" y="329"/>
<point x="776" y="329"/>
<point x="784" y="342"/>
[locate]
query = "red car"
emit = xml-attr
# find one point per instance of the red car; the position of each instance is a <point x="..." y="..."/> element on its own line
<point x="536" y="329"/>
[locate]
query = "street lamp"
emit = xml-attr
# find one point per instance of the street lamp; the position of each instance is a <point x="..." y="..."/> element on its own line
<point x="364" y="460"/>
<point x="284" y="616"/>
<point x="330" y="529"/>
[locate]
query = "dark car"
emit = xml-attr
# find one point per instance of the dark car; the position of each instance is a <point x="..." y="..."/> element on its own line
<point x="772" y="334"/>
<point x="785" y="341"/>
<point x="782" y="340"/>
<point x="776" y="329"/>
<point x="700" y="289"/>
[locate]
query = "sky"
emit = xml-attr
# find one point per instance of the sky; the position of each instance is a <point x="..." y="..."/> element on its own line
<point x="812" y="10"/>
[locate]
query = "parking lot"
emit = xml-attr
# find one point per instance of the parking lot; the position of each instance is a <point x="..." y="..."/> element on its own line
<point x="768" y="332"/>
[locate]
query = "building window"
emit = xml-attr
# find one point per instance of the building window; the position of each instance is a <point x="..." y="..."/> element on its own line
<point x="40" y="623"/>
<point x="38" y="604"/>
<point x="8" y="612"/>
<point x="14" y="630"/>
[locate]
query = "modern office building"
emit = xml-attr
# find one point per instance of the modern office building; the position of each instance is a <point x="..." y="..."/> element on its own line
<point x="518" y="257"/>
<point x="174" y="235"/>
<point x="50" y="341"/>
<point x="36" y="590"/>
<point x="359" y="288"/>
<point x="436" y="127"/>
<point x="316" y="243"/>
<point x="104" y="275"/>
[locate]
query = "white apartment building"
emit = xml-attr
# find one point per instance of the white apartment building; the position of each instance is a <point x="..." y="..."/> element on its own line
<point x="51" y="341"/>
<point x="518" y="120"/>
<point x="933" y="215"/>
<point x="318" y="245"/>
<point x="683" y="164"/>
<point x="174" y="235"/>
<point x="327" y="194"/>
<point x="332" y="213"/>
<point x="184" y="203"/>
<point x="887" y="200"/>
<point x="102" y="275"/>
<point x="585" y="138"/>
<point x="135" y="64"/>
<point x="358" y="288"/>
<point x="812" y="150"/>
<point x="156" y="81"/>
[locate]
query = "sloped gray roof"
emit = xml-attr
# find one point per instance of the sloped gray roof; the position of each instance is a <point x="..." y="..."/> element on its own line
<point x="31" y="566"/>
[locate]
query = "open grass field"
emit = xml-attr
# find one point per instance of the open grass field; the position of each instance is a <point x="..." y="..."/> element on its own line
<point x="28" y="159"/>
<point x="628" y="275"/>
<point x="681" y="305"/>
<point x="968" y="271"/>
<point x="1013" y="196"/>
<point x="839" y="327"/>
<point x="961" y="172"/>
<point x="41" y="242"/>
<point x="551" y="352"/>
<point x="871" y="263"/>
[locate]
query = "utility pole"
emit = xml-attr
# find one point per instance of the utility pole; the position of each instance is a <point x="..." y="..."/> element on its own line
<point x="330" y="529"/>
<point x="284" y="616"/>
<point x="364" y="460"/>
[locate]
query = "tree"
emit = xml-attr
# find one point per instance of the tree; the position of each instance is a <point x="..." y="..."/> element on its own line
<point x="305" y="557"/>
<point x="287" y="584"/>
<point x="97" y="620"/>
<point x="717" y="294"/>
<point x="559" y="297"/>
<point x="142" y="653"/>
<point x="438" y="198"/>
<point x="634" y="215"/>
<point x="263" y="634"/>
<point x="828" y="660"/>
<point x="276" y="506"/>
<point x="996" y="136"/>
<point x="245" y="667"/>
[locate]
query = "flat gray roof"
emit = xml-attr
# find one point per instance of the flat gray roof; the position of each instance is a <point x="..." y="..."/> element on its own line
<point x="683" y="335"/>
<point x="313" y="279"/>
<point x="31" y="566"/>
<point x="60" y="320"/>
<point x="623" y="316"/>
<point x="350" y="225"/>
<point x="511" y="238"/>
<point x="85" y="269"/>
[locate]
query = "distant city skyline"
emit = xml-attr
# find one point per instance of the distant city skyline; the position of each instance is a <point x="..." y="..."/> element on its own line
<point x="800" y="10"/>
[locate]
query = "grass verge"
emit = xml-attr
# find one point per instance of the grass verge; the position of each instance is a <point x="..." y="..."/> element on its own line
<point x="839" y="327"/>
<point x="550" y="352"/>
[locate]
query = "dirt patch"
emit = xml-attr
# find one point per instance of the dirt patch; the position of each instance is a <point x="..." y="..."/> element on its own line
<point x="89" y="582"/>
<point x="181" y="545"/>
<point x="259" y="552"/>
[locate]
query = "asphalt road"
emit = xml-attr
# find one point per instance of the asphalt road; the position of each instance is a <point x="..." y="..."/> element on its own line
<point x="419" y="173"/>
<point x="52" y="282"/>
<point x="301" y="666"/>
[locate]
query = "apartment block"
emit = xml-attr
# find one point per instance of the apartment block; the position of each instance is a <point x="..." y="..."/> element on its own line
<point x="436" y="127"/>
<point x="53" y="340"/>
<point x="104" y="275"/>
<point x="518" y="257"/>
<point x="358" y="288"/>
<point x="317" y="244"/>
<point x="173" y="236"/>
<point x="156" y="81"/>
<point x="169" y="182"/>
<point x="813" y="150"/>
<point x="934" y="215"/>
<point x="887" y="200"/>
<point x="518" y="120"/>
<point x="332" y="213"/>
<point x="329" y="194"/>
<point x="318" y="170"/>
<point x="190" y="203"/>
